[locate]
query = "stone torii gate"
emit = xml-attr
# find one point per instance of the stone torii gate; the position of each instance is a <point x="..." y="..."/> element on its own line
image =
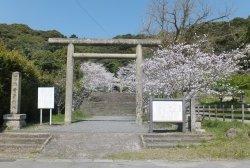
<point x="71" y="55"/>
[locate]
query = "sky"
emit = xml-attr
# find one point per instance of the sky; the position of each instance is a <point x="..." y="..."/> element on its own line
<point x="91" y="18"/>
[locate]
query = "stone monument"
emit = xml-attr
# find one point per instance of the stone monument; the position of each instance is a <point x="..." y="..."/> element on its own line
<point x="15" y="120"/>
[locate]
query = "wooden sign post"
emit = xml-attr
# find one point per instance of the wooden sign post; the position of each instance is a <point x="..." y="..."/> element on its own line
<point x="46" y="101"/>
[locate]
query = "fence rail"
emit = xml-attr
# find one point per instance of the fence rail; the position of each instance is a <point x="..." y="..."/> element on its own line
<point x="234" y="113"/>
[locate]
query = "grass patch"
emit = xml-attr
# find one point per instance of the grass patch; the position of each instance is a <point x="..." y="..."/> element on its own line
<point x="76" y="116"/>
<point x="220" y="147"/>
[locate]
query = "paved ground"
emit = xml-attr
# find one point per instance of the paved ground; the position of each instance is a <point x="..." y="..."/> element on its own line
<point x="96" y="124"/>
<point x="96" y="138"/>
<point x="123" y="164"/>
<point x="89" y="145"/>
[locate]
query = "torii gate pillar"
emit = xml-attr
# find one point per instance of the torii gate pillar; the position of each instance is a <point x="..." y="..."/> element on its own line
<point x="69" y="84"/>
<point x="139" y="87"/>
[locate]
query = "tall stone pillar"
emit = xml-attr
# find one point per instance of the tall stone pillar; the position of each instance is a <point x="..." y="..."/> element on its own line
<point x="69" y="84"/>
<point x="139" y="87"/>
<point x="15" y="120"/>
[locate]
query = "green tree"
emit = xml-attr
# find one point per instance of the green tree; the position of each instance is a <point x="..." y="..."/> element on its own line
<point x="11" y="61"/>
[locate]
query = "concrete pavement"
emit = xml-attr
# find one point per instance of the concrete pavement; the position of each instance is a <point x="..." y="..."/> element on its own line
<point x="63" y="163"/>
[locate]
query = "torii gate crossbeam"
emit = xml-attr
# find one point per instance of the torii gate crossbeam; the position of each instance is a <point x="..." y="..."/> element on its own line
<point x="103" y="42"/>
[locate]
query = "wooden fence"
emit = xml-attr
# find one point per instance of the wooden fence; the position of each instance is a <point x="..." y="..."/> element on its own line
<point x="221" y="112"/>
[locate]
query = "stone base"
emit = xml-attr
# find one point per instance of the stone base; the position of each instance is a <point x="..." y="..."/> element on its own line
<point x="14" y="121"/>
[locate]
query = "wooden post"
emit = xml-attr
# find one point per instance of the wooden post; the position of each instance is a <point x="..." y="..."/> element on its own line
<point x="41" y="116"/>
<point x="223" y="112"/>
<point x="193" y="114"/>
<point x="69" y="84"/>
<point x="209" y="112"/>
<point x="58" y="109"/>
<point x="50" y="116"/>
<point x="243" y="111"/>
<point x="139" y="87"/>
<point x="151" y="123"/>
<point x="184" y="124"/>
<point x="232" y="112"/>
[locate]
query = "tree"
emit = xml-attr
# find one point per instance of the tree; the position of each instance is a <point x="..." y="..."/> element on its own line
<point x="248" y="32"/>
<point x="73" y="36"/>
<point x="182" y="70"/>
<point x="96" y="77"/>
<point x="11" y="61"/>
<point x="174" y="19"/>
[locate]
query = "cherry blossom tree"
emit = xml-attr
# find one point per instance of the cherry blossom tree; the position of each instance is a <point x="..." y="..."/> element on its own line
<point x="182" y="70"/>
<point x="96" y="77"/>
<point x="126" y="77"/>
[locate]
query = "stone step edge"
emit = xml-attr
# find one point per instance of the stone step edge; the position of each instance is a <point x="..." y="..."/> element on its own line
<point x="176" y="135"/>
<point x="18" y="145"/>
<point x="170" y="145"/>
<point x="25" y="135"/>
<point x="22" y="133"/>
<point x="21" y="138"/>
<point x="175" y="140"/>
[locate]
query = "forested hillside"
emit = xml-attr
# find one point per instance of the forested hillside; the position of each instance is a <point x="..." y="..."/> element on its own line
<point x="223" y="36"/>
<point x="26" y="50"/>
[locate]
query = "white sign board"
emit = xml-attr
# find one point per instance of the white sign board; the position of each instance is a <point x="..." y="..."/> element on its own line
<point x="167" y="111"/>
<point x="46" y="97"/>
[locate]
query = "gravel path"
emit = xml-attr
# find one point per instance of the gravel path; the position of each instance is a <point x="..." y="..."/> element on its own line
<point x="96" y="124"/>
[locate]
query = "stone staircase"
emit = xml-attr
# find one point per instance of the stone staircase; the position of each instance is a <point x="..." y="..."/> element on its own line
<point x="109" y="104"/>
<point x="22" y="145"/>
<point x="168" y="140"/>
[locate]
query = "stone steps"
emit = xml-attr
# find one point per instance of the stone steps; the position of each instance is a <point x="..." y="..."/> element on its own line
<point x="172" y="140"/>
<point x="177" y="135"/>
<point x="22" y="140"/>
<point x="23" y="135"/>
<point x="19" y="145"/>
<point x="170" y="145"/>
<point x="16" y="145"/>
<point x="166" y="140"/>
<point x="109" y="104"/>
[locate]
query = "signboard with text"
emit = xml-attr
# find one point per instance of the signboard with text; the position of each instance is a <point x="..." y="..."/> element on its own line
<point x="46" y="97"/>
<point x="167" y="110"/>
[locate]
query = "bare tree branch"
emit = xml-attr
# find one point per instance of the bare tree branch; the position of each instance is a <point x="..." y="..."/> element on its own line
<point x="178" y="17"/>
